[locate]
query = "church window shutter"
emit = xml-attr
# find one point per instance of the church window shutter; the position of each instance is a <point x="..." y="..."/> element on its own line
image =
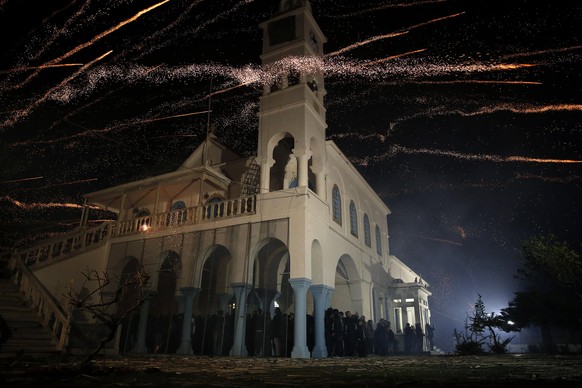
<point x="336" y="205"/>
<point x="367" y="236"/>
<point x="353" y="219"/>
<point x="378" y="240"/>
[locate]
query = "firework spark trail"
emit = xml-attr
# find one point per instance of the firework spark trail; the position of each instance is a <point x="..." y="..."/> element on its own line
<point x="443" y="110"/>
<point x="59" y="184"/>
<point x="63" y="31"/>
<point x="442" y="240"/>
<point x="43" y="22"/>
<point x="163" y="118"/>
<point x="389" y="5"/>
<point x="23" y="112"/>
<point x="40" y="67"/>
<point x="23" y="179"/>
<point x="101" y="98"/>
<point x="433" y="21"/>
<point x="365" y="42"/>
<point x="91" y="132"/>
<point x="482" y="157"/>
<point x="566" y="179"/>
<point x="519" y="109"/>
<point x="253" y="74"/>
<point x="39" y="205"/>
<point x="148" y="41"/>
<point x="390" y="35"/>
<point x="542" y="52"/>
<point x="95" y="39"/>
<point x="199" y="28"/>
<point x="473" y="81"/>
<point x="394" y="57"/>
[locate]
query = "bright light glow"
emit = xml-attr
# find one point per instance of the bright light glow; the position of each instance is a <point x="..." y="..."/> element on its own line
<point x="144" y="228"/>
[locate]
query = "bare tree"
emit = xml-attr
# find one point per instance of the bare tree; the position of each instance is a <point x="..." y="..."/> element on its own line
<point x="106" y="306"/>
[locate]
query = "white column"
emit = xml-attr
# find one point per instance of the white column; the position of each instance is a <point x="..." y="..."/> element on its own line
<point x="300" y="287"/>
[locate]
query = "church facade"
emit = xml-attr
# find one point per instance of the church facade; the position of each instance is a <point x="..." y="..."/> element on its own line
<point x="224" y="237"/>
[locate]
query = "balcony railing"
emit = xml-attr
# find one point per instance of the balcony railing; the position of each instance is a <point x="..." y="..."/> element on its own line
<point x="188" y="216"/>
<point x="74" y="242"/>
<point x="82" y="240"/>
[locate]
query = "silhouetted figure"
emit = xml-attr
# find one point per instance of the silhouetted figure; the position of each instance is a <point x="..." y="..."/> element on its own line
<point x="310" y="332"/>
<point x="250" y="333"/>
<point x="370" y="337"/>
<point x="218" y="326"/>
<point x="290" y="334"/>
<point x="350" y="324"/>
<point x="338" y="334"/>
<point x="259" y="323"/>
<point x="408" y="338"/>
<point x="328" y="324"/>
<point x="419" y="337"/>
<point x="429" y="329"/>
<point x="279" y="332"/>
<point x="391" y="341"/>
<point x="361" y="344"/>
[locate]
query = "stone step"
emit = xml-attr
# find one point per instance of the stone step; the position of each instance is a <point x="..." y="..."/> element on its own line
<point x="27" y="334"/>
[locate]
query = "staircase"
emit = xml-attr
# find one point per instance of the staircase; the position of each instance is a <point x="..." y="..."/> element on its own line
<point x="27" y="336"/>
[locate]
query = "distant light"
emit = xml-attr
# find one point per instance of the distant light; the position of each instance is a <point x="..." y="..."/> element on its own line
<point x="144" y="227"/>
<point x="510" y="323"/>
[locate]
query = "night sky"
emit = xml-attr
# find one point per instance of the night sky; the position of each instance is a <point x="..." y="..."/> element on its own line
<point x="465" y="116"/>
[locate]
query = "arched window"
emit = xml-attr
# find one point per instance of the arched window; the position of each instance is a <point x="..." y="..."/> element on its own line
<point x="336" y="204"/>
<point x="367" y="236"/>
<point x="353" y="219"/>
<point x="378" y="240"/>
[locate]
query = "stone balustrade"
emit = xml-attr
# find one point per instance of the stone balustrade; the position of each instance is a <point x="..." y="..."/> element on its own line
<point x="81" y="240"/>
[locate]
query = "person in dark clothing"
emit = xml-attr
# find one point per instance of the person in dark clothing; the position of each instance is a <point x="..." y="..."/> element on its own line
<point x="338" y="334"/>
<point x="5" y="332"/>
<point x="328" y="325"/>
<point x="408" y="338"/>
<point x="361" y="337"/>
<point x="370" y="337"/>
<point x="278" y="329"/>
<point x="380" y="338"/>
<point x="218" y="325"/>
<point x="350" y="325"/>
<point x="391" y="341"/>
<point x="250" y="333"/>
<point x="290" y="333"/>
<point x="310" y="332"/>
<point x="419" y="338"/>
<point x="262" y="338"/>
<point x="429" y="330"/>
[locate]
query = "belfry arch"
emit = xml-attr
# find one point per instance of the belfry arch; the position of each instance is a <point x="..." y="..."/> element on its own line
<point x="282" y="159"/>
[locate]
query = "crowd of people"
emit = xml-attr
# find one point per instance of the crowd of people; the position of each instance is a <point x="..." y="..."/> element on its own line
<point x="352" y="335"/>
<point x="346" y="335"/>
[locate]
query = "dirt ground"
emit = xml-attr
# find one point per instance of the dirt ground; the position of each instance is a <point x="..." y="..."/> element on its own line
<point x="398" y="371"/>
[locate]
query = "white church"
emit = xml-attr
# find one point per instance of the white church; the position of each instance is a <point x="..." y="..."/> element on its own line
<point x="294" y="227"/>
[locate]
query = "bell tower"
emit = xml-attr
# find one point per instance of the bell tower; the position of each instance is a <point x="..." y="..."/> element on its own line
<point x="291" y="146"/>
